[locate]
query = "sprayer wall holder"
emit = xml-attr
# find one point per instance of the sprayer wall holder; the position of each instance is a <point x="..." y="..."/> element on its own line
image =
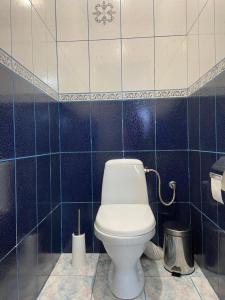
<point x="78" y="251"/>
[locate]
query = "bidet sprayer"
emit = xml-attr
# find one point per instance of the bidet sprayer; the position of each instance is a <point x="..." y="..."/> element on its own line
<point x="172" y="185"/>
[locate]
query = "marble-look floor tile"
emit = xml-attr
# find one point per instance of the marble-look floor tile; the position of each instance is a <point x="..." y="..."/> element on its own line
<point x="204" y="288"/>
<point x="170" y="288"/>
<point x="101" y="290"/>
<point x="103" y="264"/>
<point x="67" y="288"/>
<point x="154" y="268"/>
<point x="64" y="266"/>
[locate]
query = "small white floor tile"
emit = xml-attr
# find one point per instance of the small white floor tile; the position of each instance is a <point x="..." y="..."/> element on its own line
<point x="170" y="288"/>
<point x="64" y="266"/>
<point x="67" y="288"/>
<point x="204" y="288"/>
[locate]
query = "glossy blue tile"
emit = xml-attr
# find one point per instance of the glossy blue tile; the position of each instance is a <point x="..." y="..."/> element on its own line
<point x="43" y="187"/>
<point x="54" y="125"/>
<point x="139" y="125"/>
<point x="171" y="115"/>
<point x="98" y="163"/>
<point x="42" y="123"/>
<point x="45" y="259"/>
<point x="6" y="114"/>
<point x="76" y="177"/>
<point x="55" y="180"/>
<point x="69" y="224"/>
<point x="75" y="126"/>
<point x="173" y="165"/>
<point x="193" y="122"/>
<point x="148" y="159"/>
<point x="24" y="118"/>
<point x="26" y="196"/>
<point x="209" y="206"/>
<point x="207" y="124"/>
<point x="56" y="233"/>
<point x="27" y="266"/>
<point x="8" y="210"/>
<point x="106" y="122"/>
<point x="197" y="234"/>
<point x="8" y="277"/>
<point x="195" y="180"/>
<point x="220" y="125"/>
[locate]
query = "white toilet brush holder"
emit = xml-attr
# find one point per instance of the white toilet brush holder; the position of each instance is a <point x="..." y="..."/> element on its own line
<point x="78" y="248"/>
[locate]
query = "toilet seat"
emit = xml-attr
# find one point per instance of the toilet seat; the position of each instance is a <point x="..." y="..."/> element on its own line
<point x="125" y="220"/>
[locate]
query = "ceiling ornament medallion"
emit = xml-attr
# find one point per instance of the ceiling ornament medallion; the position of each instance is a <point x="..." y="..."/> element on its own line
<point x="104" y="13"/>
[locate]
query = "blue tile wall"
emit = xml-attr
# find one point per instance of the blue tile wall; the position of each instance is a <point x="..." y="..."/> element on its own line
<point x="30" y="212"/>
<point x="94" y="132"/>
<point x="206" y="143"/>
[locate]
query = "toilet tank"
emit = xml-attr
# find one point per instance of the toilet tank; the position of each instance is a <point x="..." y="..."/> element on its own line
<point x="124" y="182"/>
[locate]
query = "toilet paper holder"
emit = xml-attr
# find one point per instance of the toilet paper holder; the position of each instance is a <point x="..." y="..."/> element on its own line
<point x="217" y="175"/>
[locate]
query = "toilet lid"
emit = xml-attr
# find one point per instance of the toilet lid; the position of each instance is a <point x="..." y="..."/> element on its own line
<point x="125" y="219"/>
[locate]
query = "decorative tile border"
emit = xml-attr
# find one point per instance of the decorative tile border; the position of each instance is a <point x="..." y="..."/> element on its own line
<point x="207" y="77"/>
<point x="16" y="67"/>
<point x="122" y="95"/>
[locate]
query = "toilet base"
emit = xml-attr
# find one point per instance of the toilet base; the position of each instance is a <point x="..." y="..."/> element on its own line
<point x="126" y="283"/>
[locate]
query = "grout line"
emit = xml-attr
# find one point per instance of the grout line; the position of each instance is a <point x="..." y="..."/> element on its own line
<point x="195" y="288"/>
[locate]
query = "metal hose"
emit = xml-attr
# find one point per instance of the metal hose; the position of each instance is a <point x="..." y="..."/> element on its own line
<point x="172" y="185"/>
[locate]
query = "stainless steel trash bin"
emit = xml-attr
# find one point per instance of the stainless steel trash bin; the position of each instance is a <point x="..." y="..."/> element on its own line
<point x="178" y="255"/>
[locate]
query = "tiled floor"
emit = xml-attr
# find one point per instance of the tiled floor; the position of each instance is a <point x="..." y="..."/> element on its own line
<point x="90" y="283"/>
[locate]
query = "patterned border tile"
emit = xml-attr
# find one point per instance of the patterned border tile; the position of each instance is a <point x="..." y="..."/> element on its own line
<point x="16" y="67"/>
<point x="171" y="93"/>
<point x="138" y="95"/>
<point x="210" y="75"/>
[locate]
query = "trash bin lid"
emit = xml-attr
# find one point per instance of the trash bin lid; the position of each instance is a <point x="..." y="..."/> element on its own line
<point x="176" y="229"/>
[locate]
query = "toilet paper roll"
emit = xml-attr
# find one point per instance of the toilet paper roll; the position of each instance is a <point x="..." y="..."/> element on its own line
<point x="216" y="190"/>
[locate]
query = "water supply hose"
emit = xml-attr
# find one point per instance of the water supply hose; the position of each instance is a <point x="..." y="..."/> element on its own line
<point x="172" y="185"/>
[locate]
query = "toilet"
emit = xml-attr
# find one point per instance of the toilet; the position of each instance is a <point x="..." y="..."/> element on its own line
<point x="125" y="223"/>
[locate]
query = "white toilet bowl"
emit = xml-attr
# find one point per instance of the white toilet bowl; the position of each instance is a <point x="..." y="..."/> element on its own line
<point x="125" y="223"/>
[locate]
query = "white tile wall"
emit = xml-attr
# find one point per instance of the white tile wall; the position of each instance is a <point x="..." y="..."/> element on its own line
<point x="170" y="62"/>
<point x="138" y="64"/>
<point x="21" y="32"/>
<point x="207" y="38"/>
<point x="137" y="18"/>
<point x="5" y="32"/>
<point x="193" y="54"/>
<point x="72" y="21"/>
<point x="73" y="67"/>
<point x="110" y="30"/>
<point x="105" y="66"/>
<point x="170" y="17"/>
<point x="27" y="32"/>
<point x="220" y="29"/>
<point x="192" y="12"/>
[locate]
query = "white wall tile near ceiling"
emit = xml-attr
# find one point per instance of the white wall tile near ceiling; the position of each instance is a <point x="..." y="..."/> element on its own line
<point x="207" y="38"/>
<point x="46" y="9"/>
<point x="5" y="32"/>
<point x="192" y="12"/>
<point x="220" y="29"/>
<point x="110" y="30"/>
<point x="170" y="62"/>
<point x="201" y="4"/>
<point x="138" y="64"/>
<point x="72" y="21"/>
<point x="137" y="18"/>
<point x="193" y="54"/>
<point x="105" y="66"/>
<point x="170" y="17"/>
<point x="39" y="47"/>
<point x="21" y="32"/>
<point x="73" y="67"/>
<point x="51" y="62"/>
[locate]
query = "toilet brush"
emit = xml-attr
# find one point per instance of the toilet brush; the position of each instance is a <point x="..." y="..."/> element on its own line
<point x="78" y="246"/>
